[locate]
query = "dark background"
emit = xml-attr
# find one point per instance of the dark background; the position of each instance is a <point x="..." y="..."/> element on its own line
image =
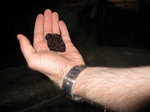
<point x="19" y="16"/>
<point x="120" y="28"/>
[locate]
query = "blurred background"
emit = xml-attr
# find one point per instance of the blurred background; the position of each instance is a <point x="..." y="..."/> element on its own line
<point x="131" y="16"/>
<point x="112" y="33"/>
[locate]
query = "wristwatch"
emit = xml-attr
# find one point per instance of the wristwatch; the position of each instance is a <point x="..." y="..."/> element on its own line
<point x="69" y="81"/>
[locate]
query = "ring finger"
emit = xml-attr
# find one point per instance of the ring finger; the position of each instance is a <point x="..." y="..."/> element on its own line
<point x="55" y="23"/>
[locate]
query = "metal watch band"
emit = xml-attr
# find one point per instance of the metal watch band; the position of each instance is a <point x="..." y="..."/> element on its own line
<point x="69" y="81"/>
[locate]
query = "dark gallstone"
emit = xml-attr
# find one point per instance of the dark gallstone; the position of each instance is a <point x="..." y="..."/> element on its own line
<point x="55" y="42"/>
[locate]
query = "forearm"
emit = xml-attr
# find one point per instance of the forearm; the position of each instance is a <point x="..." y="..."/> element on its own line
<point x="120" y="89"/>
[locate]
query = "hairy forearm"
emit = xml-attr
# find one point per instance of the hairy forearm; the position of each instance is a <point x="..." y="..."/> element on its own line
<point x="120" y="89"/>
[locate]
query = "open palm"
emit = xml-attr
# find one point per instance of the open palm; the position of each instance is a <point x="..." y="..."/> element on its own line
<point x="53" y="64"/>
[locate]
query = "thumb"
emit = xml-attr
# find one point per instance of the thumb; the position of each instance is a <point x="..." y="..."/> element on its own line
<point x="26" y="47"/>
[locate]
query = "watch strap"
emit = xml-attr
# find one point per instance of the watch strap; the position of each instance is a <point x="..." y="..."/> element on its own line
<point x="69" y="81"/>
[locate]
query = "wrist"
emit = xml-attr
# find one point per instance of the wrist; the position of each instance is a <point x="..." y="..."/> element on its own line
<point x="64" y="73"/>
<point x="69" y="81"/>
<point x="66" y="69"/>
<point x="79" y="86"/>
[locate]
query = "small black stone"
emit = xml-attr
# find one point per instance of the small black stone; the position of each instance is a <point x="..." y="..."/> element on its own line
<point x="55" y="42"/>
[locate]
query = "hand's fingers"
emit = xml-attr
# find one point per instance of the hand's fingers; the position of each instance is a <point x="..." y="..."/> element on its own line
<point x="66" y="37"/>
<point x="38" y="30"/>
<point x="26" y="47"/>
<point x="55" y="23"/>
<point x="47" y="22"/>
<point x="64" y="32"/>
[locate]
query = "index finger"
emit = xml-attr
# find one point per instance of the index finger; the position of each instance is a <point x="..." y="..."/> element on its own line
<point x="38" y="30"/>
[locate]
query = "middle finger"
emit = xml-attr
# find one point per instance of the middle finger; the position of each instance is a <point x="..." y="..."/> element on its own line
<point x="47" y="22"/>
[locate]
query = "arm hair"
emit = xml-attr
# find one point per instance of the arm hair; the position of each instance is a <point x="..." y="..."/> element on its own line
<point x="120" y="89"/>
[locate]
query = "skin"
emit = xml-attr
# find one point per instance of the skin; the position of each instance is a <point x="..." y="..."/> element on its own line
<point x="40" y="58"/>
<point x="119" y="89"/>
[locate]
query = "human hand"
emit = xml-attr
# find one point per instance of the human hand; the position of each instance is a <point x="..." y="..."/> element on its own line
<point x="55" y="65"/>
